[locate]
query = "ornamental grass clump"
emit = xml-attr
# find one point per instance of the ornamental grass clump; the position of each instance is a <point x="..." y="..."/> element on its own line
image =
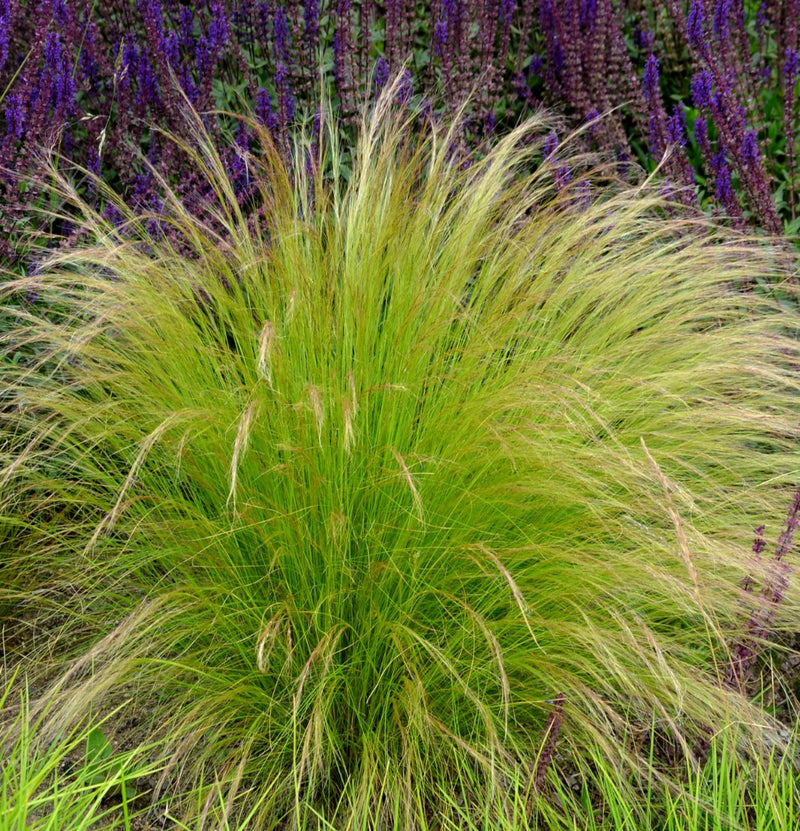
<point x="354" y="498"/>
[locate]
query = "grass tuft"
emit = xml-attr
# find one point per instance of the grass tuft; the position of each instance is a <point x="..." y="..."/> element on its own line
<point x="353" y="494"/>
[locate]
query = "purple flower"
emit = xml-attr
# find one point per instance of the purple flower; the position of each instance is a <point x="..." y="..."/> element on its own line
<point x="93" y="163"/>
<point x="286" y="98"/>
<point x="52" y="52"/>
<point x="644" y="40"/>
<point x="761" y="20"/>
<point x="148" y="85"/>
<point x="507" y="11"/>
<point x="380" y="75"/>
<point x="264" y="111"/>
<point x="592" y="119"/>
<point x="311" y="20"/>
<point x="186" y="25"/>
<point x="722" y="173"/>
<point x="588" y="14"/>
<point x="60" y="13"/>
<point x="701" y="132"/>
<point x="789" y="68"/>
<point x="31" y="297"/>
<point x="87" y="59"/>
<point x="218" y="29"/>
<point x="237" y="161"/>
<point x="151" y="13"/>
<point x="721" y="14"/>
<point x="696" y="26"/>
<point x="172" y="49"/>
<point x="439" y="37"/>
<point x="676" y="126"/>
<point x="129" y="64"/>
<point x="550" y="145"/>
<point x="652" y="94"/>
<point x="155" y="227"/>
<point x="141" y="186"/>
<point x="405" y="88"/>
<point x="202" y="56"/>
<point x="702" y="83"/>
<point x="787" y="535"/>
<point x="5" y="27"/>
<point x="750" y="152"/>
<point x="58" y="73"/>
<point x="759" y="544"/>
<point x="112" y="215"/>
<point x="15" y="117"/>
<point x="281" y="31"/>
<point x="623" y="162"/>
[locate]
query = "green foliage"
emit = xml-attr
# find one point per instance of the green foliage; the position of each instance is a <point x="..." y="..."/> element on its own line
<point x="349" y="494"/>
<point x="46" y="784"/>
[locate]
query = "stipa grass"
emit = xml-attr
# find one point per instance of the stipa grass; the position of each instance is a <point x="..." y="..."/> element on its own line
<point x="353" y="493"/>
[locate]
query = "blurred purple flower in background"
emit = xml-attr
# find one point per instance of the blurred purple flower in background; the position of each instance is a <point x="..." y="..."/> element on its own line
<point x="5" y="29"/>
<point x="380" y="75"/>
<point x="696" y="27"/>
<point x="702" y="85"/>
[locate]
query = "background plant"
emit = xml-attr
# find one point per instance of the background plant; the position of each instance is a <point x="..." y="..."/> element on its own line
<point x="350" y="492"/>
<point x="713" y="79"/>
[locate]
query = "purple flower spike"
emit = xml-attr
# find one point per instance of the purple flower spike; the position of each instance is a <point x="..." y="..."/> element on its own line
<point x="218" y="31"/>
<point x="550" y="145"/>
<point x="696" y="27"/>
<point x="592" y="119"/>
<point x="52" y="52"/>
<point x="311" y="20"/>
<point x="439" y="37"/>
<point x="750" y="152"/>
<point x="380" y="75"/>
<point x="722" y="171"/>
<point x="789" y="68"/>
<point x="186" y="25"/>
<point x="151" y="13"/>
<point x="60" y="12"/>
<point x="264" y="111"/>
<point x="281" y="32"/>
<point x="129" y="64"/>
<point x="701" y="132"/>
<point x="588" y="14"/>
<point x="172" y="49"/>
<point x="148" y="85"/>
<point x="722" y="13"/>
<point x="650" y="88"/>
<point x="405" y="88"/>
<point x="5" y="26"/>
<point x="676" y="127"/>
<point x="535" y="67"/>
<point x="15" y="117"/>
<point x="702" y="83"/>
